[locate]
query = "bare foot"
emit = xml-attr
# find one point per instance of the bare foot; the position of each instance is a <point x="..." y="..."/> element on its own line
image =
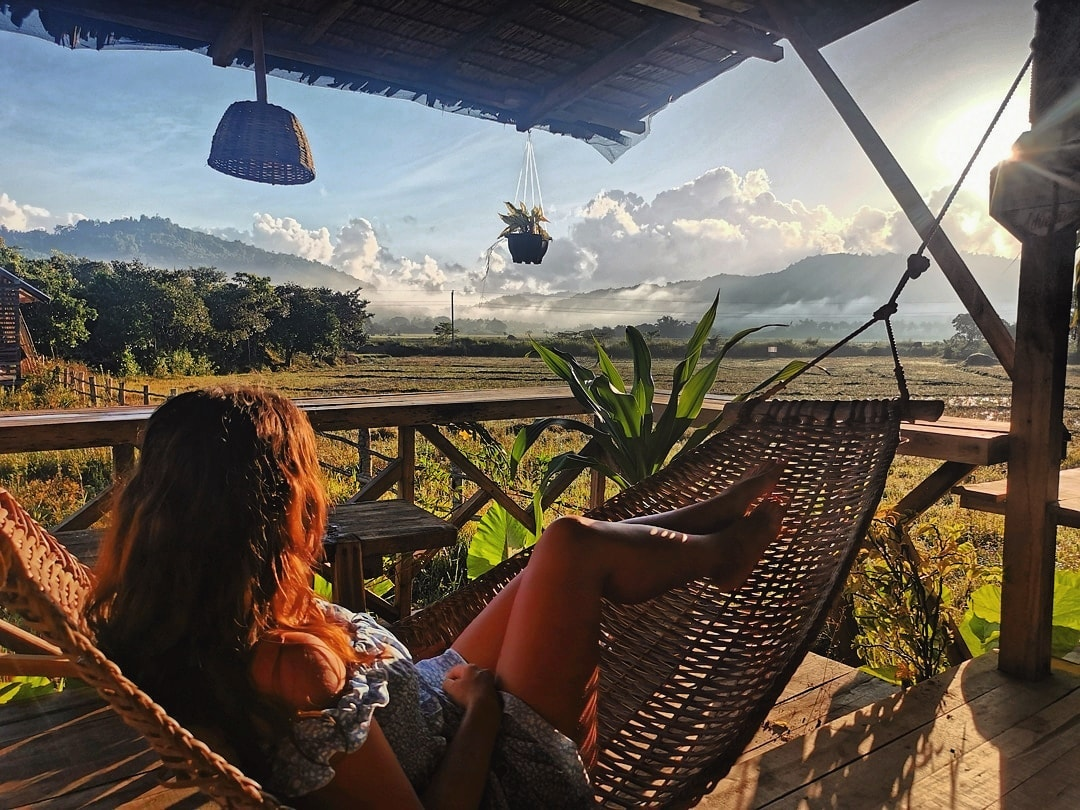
<point x="716" y="513"/>
<point x="745" y="542"/>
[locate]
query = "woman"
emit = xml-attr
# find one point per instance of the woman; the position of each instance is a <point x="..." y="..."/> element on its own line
<point x="203" y="597"/>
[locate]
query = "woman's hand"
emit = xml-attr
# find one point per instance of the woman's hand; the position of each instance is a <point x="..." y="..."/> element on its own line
<point x="473" y="689"/>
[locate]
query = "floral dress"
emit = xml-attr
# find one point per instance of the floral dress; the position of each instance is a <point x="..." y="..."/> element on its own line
<point x="533" y="765"/>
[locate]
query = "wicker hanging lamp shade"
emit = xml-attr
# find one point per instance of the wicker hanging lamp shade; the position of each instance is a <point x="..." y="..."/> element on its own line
<point x="259" y="141"/>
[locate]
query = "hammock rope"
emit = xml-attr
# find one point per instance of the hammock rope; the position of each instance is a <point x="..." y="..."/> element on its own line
<point x="917" y="264"/>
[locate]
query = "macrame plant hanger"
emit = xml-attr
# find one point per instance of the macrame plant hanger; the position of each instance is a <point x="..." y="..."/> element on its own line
<point x="917" y="264"/>
<point x="525" y="235"/>
<point x="528" y="191"/>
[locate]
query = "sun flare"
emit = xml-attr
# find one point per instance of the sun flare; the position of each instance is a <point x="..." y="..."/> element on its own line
<point x="959" y="135"/>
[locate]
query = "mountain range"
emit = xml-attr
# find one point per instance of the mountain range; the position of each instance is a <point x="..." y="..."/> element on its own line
<point x="830" y="288"/>
<point x="159" y="242"/>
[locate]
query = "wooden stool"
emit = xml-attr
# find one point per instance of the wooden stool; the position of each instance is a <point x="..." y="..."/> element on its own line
<point x="359" y="535"/>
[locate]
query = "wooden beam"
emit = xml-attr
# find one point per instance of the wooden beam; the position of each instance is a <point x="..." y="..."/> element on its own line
<point x="235" y="35"/>
<point x="907" y="196"/>
<point x="492" y="20"/>
<point x="329" y="14"/>
<point x="1042" y="335"/>
<point x="613" y="62"/>
<point x="723" y="25"/>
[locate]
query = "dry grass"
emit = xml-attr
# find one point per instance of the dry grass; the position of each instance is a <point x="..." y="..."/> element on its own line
<point x="982" y="393"/>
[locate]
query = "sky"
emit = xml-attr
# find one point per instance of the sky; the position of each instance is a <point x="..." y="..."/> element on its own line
<point x="744" y="175"/>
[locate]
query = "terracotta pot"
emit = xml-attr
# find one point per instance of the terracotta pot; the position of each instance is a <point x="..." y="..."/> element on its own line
<point x="527" y="248"/>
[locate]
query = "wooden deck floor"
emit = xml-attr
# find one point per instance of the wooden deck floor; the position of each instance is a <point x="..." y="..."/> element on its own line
<point x="970" y="738"/>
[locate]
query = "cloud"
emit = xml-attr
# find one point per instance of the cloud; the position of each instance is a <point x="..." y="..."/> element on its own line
<point x="720" y="222"/>
<point x="286" y="235"/>
<point x="18" y="217"/>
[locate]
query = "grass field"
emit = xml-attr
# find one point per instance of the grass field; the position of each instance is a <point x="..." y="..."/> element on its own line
<point x="977" y="392"/>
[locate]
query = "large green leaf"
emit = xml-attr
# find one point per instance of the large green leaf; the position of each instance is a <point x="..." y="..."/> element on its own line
<point x="693" y="395"/>
<point x="644" y="386"/>
<point x="982" y="623"/>
<point x="575" y="462"/>
<point x="626" y="416"/>
<point x="498" y="535"/>
<point x="569" y="371"/>
<point x="607" y="368"/>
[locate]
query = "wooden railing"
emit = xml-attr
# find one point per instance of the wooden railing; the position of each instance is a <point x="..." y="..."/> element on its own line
<point x="428" y="414"/>
<point x="961" y="444"/>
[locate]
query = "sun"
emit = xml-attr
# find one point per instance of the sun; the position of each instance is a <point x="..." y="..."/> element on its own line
<point x="960" y="134"/>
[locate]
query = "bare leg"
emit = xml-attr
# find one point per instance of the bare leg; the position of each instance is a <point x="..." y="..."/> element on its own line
<point x="484" y="639"/>
<point x="549" y="635"/>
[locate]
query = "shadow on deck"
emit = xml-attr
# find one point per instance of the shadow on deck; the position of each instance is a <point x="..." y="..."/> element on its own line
<point x="968" y="738"/>
<point x="838" y="738"/>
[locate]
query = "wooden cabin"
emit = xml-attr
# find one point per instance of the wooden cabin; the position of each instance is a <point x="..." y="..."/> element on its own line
<point x="17" y="353"/>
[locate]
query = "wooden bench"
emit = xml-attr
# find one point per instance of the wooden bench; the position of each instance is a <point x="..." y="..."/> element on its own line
<point x="961" y="444"/>
<point x="359" y="535"/>
<point x="990" y="497"/>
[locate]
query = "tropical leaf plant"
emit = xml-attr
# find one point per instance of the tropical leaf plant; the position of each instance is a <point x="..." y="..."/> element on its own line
<point x="627" y="441"/>
<point x="521" y="219"/>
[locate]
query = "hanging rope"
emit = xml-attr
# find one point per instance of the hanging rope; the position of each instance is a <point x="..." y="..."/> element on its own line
<point x="917" y="264"/>
<point x="528" y="185"/>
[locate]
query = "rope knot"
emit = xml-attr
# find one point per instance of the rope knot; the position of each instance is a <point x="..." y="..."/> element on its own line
<point x="917" y="264"/>
<point x="885" y="312"/>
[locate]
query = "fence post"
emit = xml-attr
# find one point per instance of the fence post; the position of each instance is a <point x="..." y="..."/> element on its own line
<point x="120" y="393"/>
<point x="146" y="395"/>
<point x="93" y="390"/>
<point x="172" y="393"/>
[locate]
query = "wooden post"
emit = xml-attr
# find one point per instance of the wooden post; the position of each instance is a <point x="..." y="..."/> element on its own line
<point x="146" y="394"/>
<point x="363" y="453"/>
<point x="172" y="393"/>
<point x="93" y="390"/>
<point x="123" y="460"/>
<point x="407" y="454"/>
<point x="457" y="481"/>
<point x="908" y="197"/>
<point x="1042" y="335"/>
<point x="120" y="394"/>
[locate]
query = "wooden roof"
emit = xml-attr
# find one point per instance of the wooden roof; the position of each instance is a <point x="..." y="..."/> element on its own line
<point x="594" y="69"/>
<point x="28" y="293"/>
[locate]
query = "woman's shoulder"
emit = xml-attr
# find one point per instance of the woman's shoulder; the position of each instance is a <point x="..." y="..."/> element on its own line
<point x="298" y="668"/>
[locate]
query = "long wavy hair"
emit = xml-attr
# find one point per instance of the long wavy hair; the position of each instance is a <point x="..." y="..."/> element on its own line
<point x="211" y="548"/>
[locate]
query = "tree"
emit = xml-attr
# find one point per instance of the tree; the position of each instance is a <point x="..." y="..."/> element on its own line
<point x="444" y="330"/>
<point x="307" y="324"/>
<point x="62" y="324"/>
<point x="242" y="312"/>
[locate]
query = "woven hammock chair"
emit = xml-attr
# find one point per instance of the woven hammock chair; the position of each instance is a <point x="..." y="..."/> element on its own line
<point x="685" y="679"/>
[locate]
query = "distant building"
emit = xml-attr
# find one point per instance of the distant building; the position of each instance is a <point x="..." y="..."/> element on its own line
<point x="17" y="352"/>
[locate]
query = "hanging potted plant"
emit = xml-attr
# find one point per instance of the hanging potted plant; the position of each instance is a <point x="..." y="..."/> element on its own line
<point x="525" y="236"/>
